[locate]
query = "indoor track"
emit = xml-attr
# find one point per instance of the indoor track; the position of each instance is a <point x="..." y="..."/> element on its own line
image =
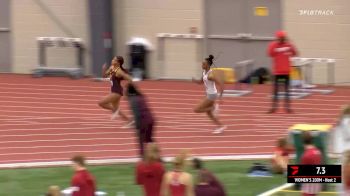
<point x="51" y="119"/>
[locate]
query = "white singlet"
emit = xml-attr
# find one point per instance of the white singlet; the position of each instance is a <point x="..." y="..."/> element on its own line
<point x="209" y="85"/>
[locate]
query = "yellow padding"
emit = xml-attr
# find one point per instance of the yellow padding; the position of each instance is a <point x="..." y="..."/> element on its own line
<point x="295" y="73"/>
<point x="228" y="74"/>
<point x="309" y="127"/>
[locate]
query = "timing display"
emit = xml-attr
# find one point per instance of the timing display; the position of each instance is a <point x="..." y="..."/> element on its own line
<point x="314" y="174"/>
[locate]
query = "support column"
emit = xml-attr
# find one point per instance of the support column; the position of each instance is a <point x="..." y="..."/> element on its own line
<point x="101" y="31"/>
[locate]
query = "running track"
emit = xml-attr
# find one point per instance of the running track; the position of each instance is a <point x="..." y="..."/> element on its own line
<point x="51" y="119"/>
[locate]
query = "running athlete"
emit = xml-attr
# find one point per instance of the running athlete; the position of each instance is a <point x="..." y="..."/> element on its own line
<point x="111" y="102"/>
<point x="208" y="103"/>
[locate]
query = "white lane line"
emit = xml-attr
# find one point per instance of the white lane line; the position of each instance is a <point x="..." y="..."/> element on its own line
<point x="179" y="115"/>
<point x="202" y="121"/>
<point x="55" y="148"/>
<point x="158" y="95"/>
<point x="98" y="160"/>
<point x="151" y="100"/>
<point x="198" y="117"/>
<point x="186" y="114"/>
<point x="130" y="143"/>
<point x="88" y="94"/>
<point x="75" y="106"/>
<point x="105" y="88"/>
<point x="173" y="129"/>
<point x="68" y="139"/>
<point x="75" y="114"/>
<point x="105" y="118"/>
<point x="18" y="122"/>
<point x="129" y="150"/>
<point x="157" y="137"/>
<point x="107" y="133"/>
<point x="276" y="190"/>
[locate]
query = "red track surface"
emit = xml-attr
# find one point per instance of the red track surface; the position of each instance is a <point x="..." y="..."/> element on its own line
<point x="50" y="119"/>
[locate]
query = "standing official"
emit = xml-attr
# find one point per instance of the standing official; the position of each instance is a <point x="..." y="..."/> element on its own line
<point x="280" y="51"/>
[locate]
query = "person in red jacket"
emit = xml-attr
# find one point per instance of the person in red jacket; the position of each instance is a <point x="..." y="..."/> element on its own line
<point x="150" y="171"/>
<point x="280" y="51"/>
<point x="280" y="159"/>
<point x="346" y="173"/>
<point x="82" y="179"/>
<point x="311" y="156"/>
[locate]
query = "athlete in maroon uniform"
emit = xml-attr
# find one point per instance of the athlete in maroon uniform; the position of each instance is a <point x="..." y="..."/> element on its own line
<point x="205" y="187"/>
<point x="207" y="181"/>
<point x="116" y="73"/>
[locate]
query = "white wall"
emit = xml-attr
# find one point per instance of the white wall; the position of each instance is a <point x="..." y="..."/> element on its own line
<point x="29" y="21"/>
<point x="314" y="36"/>
<point x="321" y="36"/>
<point x="146" y="18"/>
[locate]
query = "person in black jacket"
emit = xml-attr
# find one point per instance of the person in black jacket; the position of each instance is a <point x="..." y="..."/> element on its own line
<point x="144" y="121"/>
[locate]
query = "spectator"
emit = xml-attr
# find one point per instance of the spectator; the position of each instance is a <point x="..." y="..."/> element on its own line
<point x="345" y="112"/>
<point x="341" y="133"/>
<point x="206" y="177"/>
<point x="82" y="178"/>
<point x="54" y="191"/>
<point x="344" y="117"/>
<point x="150" y="171"/>
<point x="178" y="182"/>
<point x="311" y="156"/>
<point x="280" y="158"/>
<point x="144" y="120"/>
<point x="205" y="187"/>
<point x="346" y="174"/>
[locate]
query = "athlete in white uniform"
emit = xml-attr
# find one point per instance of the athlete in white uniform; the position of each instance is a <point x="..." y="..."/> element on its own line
<point x="208" y="103"/>
<point x="210" y="87"/>
<point x="341" y="144"/>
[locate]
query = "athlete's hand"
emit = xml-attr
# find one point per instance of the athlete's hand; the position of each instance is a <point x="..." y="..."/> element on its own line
<point x="104" y="69"/>
<point x="104" y="66"/>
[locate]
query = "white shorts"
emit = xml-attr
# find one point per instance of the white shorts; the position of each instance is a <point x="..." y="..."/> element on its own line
<point x="212" y="97"/>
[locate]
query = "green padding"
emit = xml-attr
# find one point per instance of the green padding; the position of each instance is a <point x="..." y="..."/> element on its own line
<point x="319" y="140"/>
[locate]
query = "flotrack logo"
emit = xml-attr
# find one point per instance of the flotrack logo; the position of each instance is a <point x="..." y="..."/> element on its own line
<point x="295" y="170"/>
<point x="316" y="12"/>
